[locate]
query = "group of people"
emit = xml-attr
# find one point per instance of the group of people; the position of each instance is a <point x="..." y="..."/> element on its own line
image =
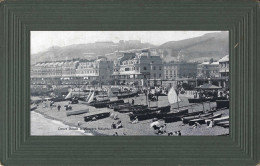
<point x="117" y="125"/>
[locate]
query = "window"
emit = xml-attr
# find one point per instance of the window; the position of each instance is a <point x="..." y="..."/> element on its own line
<point x="144" y="67"/>
<point x="160" y="75"/>
<point x="160" y="68"/>
<point x="154" y="75"/>
<point x="127" y="69"/>
<point x="154" y="68"/>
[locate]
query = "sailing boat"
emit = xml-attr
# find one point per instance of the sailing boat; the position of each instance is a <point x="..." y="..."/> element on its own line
<point x="173" y="97"/>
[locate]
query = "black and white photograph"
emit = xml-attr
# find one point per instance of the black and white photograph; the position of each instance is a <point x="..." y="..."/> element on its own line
<point x="129" y="83"/>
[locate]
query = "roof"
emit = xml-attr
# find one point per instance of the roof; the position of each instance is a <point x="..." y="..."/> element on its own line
<point x="224" y="59"/>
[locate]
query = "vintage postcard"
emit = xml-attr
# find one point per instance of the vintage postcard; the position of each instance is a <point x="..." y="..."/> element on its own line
<point x="128" y="83"/>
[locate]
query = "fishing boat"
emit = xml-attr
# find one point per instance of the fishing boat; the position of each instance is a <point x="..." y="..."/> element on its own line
<point x="157" y="115"/>
<point x="132" y="108"/>
<point x="189" y="118"/>
<point x="222" y="123"/>
<point x="199" y="120"/>
<point x="127" y="95"/>
<point x="114" y="105"/>
<point x="217" y="120"/>
<point x="103" y="104"/>
<point x="212" y="118"/>
<point x="121" y="106"/>
<point x="200" y="100"/>
<point x="222" y="104"/>
<point x="163" y="109"/>
<point x="77" y="112"/>
<point x="96" y="116"/>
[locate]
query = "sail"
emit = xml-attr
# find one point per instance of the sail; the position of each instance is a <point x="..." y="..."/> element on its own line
<point x="69" y="95"/>
<point x="88" y="96"/>
<point x="91" y="97"/>
<point x="173" y="97"/>
<point x="110" y="93"/>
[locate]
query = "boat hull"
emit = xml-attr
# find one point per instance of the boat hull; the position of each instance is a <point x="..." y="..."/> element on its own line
<point x="97" y="116"/>
<point x="78" y="112"/>
<point x="206" y="100"/>
<point x="222" y="104"/>
<point x="123" y="96"/>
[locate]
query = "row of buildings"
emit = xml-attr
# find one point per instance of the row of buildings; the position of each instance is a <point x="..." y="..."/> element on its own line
<point x="140" y="67"/>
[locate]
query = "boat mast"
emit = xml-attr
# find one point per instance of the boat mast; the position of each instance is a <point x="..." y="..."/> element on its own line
<point x="177" y="92"/>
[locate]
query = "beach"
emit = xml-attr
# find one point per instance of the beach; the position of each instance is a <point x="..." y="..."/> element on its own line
<point x="54" y="120"/>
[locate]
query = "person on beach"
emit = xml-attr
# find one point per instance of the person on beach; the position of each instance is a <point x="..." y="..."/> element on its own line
<point x="59" y="107"/>
<point x="211" y="123"/>
<point x="113" y="126"/>
<point x="164" y="128"/>
<point x="111" y="115"/>
<point x="115" y="117"/>
<point x="51" y="105"/>
<point x="116" y="134"/>
<point x="133" y="101"/>
<point x="135" y="120"/>
<point x="179" y="133"/>
<point x="119" y="124"/>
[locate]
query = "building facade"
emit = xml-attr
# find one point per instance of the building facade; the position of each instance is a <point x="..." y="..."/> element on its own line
<point x="72" y="72"/>
<point x="224" y="70"/>
<point x="178" y="70"/>
<point x="139" y="69"/>
<point x="99" y="70"/>
<point x="208" y="70"/>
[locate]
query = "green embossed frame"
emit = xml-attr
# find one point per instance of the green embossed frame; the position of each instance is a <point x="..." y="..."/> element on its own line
<point x="240" y="18"/>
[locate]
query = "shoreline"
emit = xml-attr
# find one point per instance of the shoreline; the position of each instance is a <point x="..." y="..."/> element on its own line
<point x="102" y="127"/>
<point x="62" y="124"/>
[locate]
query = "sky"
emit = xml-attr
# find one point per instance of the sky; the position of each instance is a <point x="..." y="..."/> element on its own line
<point x="43" y="40"/>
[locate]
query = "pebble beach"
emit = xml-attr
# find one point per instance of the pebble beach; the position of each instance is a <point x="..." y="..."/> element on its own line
<point x="50" y="121"/>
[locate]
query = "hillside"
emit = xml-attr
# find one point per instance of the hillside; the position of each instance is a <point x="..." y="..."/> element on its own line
<point x="212" y="45"/>
<point x="89" y="51"/>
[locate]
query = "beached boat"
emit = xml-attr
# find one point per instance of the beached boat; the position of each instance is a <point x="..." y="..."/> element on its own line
<point x="217" y="120"/>
<point x="212" y="117"/>
<point x="103" y="104"/>
<point x="200" y="100"/>
<point x="121" y="106"/>
<point x="77" y="112"/>
<point x="179" y="117"/>
<point x="222" y="104"/>
<point x="199" y="120"/>
<point x="163" y="109"/>
<point x="96" y="116"/>
<point x="114" y="105"/>
<point x="223" y="124"/>
<point x="127" y="95"/>
<point x="133" y="108"/>
<point x="58" y="99"/>
<point x="157" y="115"/>
<point x="189" y="118"/>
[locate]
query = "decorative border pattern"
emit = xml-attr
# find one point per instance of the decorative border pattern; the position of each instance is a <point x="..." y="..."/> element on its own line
<point x="18" y="18"/>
